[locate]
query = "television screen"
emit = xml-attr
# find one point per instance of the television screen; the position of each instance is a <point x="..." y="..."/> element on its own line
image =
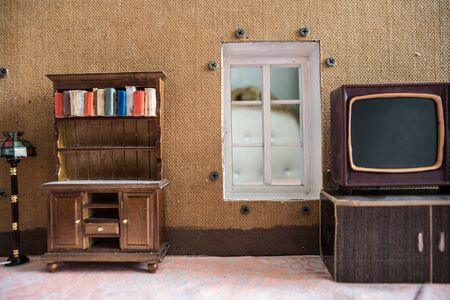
<point x="396" y="133"/>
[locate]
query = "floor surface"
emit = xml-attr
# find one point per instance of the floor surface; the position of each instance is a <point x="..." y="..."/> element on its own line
<point x="190" y="277"/>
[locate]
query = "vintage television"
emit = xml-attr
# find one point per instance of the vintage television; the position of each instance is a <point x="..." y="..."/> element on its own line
<point x="390" y="135"/>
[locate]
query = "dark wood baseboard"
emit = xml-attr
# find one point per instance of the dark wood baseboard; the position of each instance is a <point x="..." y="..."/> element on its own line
<point x="290" y="240"/>
<point x="293" y="240"/>
<point x="33" y="242"/>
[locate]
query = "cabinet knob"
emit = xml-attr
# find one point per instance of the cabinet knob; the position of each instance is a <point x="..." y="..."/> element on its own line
<point x="100" y="229"/>
<point x="442" y="242"/>
<point x="124" y="221"/>
<point x="77" y="221"/>
<point x="420" y="242"/>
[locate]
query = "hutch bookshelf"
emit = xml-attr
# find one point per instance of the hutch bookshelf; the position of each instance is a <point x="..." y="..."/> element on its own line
<point x="108" y="201"/>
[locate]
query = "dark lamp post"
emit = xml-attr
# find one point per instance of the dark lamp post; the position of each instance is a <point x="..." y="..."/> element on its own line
<point x="13" y="148"/>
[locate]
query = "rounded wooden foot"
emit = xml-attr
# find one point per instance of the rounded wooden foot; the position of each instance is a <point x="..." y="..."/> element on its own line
<point x="152" y="267"/>
<point x="51" y="267"/>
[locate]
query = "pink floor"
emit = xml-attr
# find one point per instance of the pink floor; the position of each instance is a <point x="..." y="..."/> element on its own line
<point x="184" y="277"/>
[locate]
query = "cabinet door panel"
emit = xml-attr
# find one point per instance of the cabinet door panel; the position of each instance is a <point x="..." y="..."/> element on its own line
<point x="138" y="215"/>
<point x="441" y="244"/>
<point x="383" y="244"/>
<point x="65" y="221"/>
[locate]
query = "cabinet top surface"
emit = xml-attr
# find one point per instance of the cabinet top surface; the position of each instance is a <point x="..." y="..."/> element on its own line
<point x="121" y="184"/>
<point x="406" y="199"/>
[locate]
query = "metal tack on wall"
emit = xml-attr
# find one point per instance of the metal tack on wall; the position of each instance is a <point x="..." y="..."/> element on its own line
<point x="213" y="65"/>
<point x="304" y="31"/>
<point x="3" y="72"/>
<point x="239" y="33"/>
<point x="330" y="61"/>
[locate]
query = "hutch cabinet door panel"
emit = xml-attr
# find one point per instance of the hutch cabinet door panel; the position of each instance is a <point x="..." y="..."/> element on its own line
<point x="65" y="218"/>
<point x="138" y="215"/>
<point x="383" y="244"/>
<point x="441" y="244"/>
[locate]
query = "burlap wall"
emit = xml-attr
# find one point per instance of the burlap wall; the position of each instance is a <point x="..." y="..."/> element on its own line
<point x="373" y="42"/>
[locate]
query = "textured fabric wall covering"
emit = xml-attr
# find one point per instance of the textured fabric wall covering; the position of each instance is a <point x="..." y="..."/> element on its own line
<point x="373" y="42"/>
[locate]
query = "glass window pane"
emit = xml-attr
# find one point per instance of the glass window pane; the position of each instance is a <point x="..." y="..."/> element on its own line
<point x="285" y="124"/>
<point x="247" y="124"/>
<point x="246" y="83"/>
<point x="284" y="83"/>
<point x="287" y="165"/>
<point x="248" y="166"/>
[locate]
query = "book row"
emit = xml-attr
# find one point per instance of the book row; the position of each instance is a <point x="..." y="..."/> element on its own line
<point x="106" y="102"/>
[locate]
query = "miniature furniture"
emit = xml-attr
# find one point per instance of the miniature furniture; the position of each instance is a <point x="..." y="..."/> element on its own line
<point x="386" y="238"/>
<point x="14" y="148"/>
<point x="108" y="202"/>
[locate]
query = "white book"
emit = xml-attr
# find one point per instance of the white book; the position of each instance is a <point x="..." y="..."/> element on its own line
<point x="80" y="102"/>
<point x="130" y="94"/>
<point x="100" y="97"/>
<point x="150" y="99"/>
<point x="73" y="102"/>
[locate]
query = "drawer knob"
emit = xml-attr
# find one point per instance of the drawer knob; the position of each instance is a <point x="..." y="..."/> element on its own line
<point x="77" y="221"/>
<point x="124" y="221"/>
<point x="100" y="229"/>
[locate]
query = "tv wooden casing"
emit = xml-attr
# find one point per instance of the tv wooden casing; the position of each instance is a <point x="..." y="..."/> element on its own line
<point x="342" y="171"/>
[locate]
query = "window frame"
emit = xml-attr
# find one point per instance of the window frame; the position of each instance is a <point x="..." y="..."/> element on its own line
<point x="243" y="55"/>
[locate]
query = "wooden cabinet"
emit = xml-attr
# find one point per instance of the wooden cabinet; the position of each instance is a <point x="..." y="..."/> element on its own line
<point x="441" y="244"/>
<point x="384" y="238"/>
<point x="65" y="228"/>
<point x="139" y="213"/>
<point x="108" y="202"/>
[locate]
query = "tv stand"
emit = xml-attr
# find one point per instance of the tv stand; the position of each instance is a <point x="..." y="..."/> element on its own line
<point x="386" y="238"/>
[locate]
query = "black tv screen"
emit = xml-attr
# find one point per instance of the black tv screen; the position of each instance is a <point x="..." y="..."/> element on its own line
<point x="394" y="132"/>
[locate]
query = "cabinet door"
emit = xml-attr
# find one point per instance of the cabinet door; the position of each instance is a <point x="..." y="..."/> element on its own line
<point x="65" y="221"/>
<point x="383" y="244"/>
<point x="441" y="244"/>
<point x="138" y="217"/>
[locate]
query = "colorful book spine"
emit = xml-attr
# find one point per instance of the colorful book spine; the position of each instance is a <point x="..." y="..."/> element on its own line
<point x="89" y="104"/>
<point x="110" y="94"/>
<point x="100" y="98"/>
<point x="130" y="96"/>
<point x="80" y="102"/>
<point x="59" y="105"/>
<point x="66" y="100"/>
<point x="73" y="103"/>
<point x="138" y="103"/>
<point x="150" y="105"/>
<point x="122" y="103"/>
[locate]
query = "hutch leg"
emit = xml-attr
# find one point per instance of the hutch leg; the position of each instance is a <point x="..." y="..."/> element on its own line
<point x="152" y="267"/>
<point x="51" y="267"/>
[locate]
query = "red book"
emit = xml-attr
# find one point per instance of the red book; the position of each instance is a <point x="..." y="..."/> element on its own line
<point x="89" y="104"/>
<point x="138" y="103"/>
<point x="59" y="105"/>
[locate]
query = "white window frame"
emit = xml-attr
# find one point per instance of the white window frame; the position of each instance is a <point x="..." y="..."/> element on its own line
<point x="280" y="54"/>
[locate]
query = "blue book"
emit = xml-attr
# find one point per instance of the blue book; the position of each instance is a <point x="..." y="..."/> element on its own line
<point x="110" y="94"/>
<point x="121" y="103"/>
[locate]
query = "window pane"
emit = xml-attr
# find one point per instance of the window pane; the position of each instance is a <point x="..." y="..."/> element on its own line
<point x="284" y="83"/>
<point x="287" y="165"/>
<point x="248" y="167"/>
<point x="247" y="124"/>
<point x="246" y="83"/>
<point x="285" y="124"/>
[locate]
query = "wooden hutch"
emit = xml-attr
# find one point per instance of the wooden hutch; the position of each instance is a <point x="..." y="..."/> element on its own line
<point x="108" y="202"/>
